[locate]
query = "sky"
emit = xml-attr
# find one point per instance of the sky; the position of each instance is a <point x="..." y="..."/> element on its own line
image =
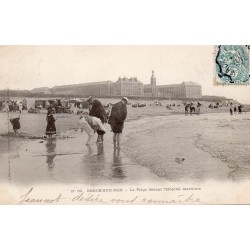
<point x="28" y="67"/>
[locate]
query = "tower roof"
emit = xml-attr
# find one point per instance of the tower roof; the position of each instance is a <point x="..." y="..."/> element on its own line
<point x="153" y="79"/>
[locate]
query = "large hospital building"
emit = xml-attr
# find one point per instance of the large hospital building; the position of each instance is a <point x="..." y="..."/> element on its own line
<point x="184" y="90"/>
<point x="132" y="87"/>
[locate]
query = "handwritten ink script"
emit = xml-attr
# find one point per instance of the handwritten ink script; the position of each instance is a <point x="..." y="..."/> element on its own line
<point x="30" y="197"/>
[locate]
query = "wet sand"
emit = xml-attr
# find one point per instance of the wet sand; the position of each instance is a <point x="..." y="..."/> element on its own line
<point x="198" y="148"/>
<point x="160" y="149"/>
<point x="29" y="159"/>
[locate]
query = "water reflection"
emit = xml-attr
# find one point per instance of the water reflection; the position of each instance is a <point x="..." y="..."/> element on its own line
<point x="94" y="161"/>
<point x="50" y="149"/>
<point x="100" y="149"/>
<point x="90" y="150"/>
<point x="117" y="169"/>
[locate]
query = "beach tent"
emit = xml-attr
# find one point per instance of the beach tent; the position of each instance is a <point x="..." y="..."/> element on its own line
<point x="24" y="103"/>
<point x="41" y="103"/>
<point x="77" y="101"/>
<point x="30" y="103"/>
<point x="4" y="99"/>
<point x="64" y="102"/>
<point x="3" y="103"/>
<point x="4" y="106"/>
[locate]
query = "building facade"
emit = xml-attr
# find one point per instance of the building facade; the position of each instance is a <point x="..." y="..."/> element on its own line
<point x="128" y="87"/>
<point x="41" y="91"/>
<point x="132" y="87"/>
<point x="105" y="88"/>
<point x="185" y="90"/>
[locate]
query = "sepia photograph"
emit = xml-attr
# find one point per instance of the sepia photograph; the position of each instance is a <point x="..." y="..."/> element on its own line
<point x="124" y="124"/>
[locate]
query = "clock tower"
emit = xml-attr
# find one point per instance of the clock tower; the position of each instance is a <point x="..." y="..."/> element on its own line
<point x="153" y="84"/>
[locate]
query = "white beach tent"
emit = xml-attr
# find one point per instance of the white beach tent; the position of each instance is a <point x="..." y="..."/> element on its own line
<point x="30" y="103"/>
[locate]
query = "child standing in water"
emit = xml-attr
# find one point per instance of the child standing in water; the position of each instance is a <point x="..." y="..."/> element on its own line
<point x="90" y="125"/>
<point x="87" y="128"/>
<point x="16" y="124"/>
<point x="51" y="128"/>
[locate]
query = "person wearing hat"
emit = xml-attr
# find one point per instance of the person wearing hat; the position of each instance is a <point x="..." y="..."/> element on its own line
<point x="116" y="120"/>
<point x="96" y="109"/>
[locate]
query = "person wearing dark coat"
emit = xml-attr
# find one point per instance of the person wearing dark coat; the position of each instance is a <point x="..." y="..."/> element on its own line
<point x="116" y="120"/>
<point x="96" y="109"/>
<point x="51" y="128"/>
<point x="15" y="124"/>
<point x="187" y="106"/>
<point x="239" y="109"/>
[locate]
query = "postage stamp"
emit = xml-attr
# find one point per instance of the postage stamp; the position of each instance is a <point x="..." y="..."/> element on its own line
<point x="231" y="64"/>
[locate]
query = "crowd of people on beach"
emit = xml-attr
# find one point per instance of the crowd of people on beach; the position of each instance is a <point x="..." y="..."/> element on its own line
<point x="98" y="114"/>
<point x="12" y="106"/>
<point x="92" y="122"/>
<point x="191" y="108"/>
<point x="235" y="109"/>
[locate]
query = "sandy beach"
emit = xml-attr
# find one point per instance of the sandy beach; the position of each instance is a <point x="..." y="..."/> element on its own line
<point x="161" y="147"/>
<point x="198" y="148"/>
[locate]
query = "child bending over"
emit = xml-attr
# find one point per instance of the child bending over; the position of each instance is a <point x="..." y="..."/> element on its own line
<point x="90" y="125"/>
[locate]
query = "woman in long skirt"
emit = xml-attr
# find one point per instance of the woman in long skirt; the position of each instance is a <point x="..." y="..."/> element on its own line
<point x="51" y="128"/>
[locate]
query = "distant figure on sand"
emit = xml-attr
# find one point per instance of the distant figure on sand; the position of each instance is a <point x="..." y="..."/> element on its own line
<point x="16" y="124"/>
<point x="239" y="109"/>
<point x="91" y="125"/>
<point x="192" y="108"/>
<point x="51" y="128"/>
<point x="96" y="109"/>
<point x="20" y="107"/>
<point x="75" y="109"/>
<point x="117" y="118"/>
<point x="187" y="106"/>
<point x="198" y="110"/>
<point x="231" y="111"/>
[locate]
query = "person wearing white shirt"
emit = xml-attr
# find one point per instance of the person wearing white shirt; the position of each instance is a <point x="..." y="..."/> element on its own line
<point x="90" y="125"/>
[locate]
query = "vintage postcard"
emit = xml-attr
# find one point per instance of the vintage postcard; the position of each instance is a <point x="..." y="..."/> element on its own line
<point x="124" y="125"/>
